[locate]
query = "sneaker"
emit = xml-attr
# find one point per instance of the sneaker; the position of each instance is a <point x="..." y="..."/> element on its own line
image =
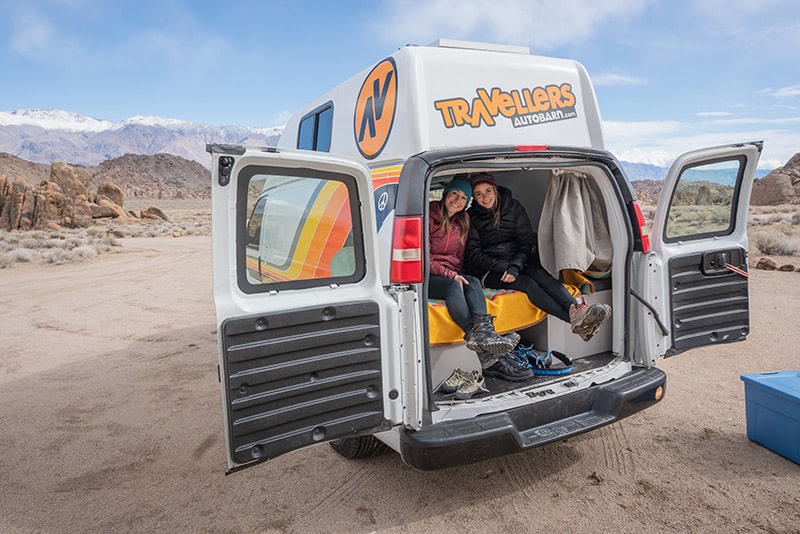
<point x="473" y="384"/>
<point x="454" y="381"/>
<point x="507" y="368"/>
<point x="586" y="320"/>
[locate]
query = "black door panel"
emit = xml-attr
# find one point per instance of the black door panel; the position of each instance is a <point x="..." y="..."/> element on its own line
<point x="709" y="301"/>
<point x="301" y="377"/>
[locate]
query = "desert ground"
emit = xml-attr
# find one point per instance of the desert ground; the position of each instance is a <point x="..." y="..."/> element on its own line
<point x="112" y="422"/>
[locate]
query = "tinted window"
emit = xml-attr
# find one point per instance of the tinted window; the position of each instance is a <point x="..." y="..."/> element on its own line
<point x="315" y="129"/>
<point x="704" y="202"/>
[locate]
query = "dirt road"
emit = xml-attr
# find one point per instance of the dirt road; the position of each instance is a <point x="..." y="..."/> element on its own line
<point x="111" y="422"/>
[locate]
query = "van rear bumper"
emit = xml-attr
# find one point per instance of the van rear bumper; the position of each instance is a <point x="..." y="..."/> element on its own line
<point x="466" y="441"/>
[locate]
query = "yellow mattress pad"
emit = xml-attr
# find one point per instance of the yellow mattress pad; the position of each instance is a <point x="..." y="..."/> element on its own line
<point x="512" y="311"/>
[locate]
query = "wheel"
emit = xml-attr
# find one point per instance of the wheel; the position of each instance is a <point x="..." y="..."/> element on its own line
<point x="358" y="447"/>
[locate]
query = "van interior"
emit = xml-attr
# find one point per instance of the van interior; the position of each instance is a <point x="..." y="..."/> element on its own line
<point x="542" y="332"/>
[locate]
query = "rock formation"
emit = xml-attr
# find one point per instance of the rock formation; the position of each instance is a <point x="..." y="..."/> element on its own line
<point x="781" y="186"/>
<point x="62" y="200"/>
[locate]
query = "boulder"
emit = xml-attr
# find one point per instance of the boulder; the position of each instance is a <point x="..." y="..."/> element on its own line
<point x="105" y="207"/>
<point x="81" y="213"/>
<point x="781" y="186"/>
<point x="112" y="192"/>
<point x="154" y="213"/>
<point x="767" y="264"/>
<point x="74" y="181"/>
<point x="51" y="206"/>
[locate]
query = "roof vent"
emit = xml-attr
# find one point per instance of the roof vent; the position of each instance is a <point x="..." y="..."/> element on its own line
<point x="474" y="45"/>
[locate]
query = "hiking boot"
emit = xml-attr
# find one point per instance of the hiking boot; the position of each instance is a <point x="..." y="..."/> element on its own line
<point x="484" y="338"/>
<point x="487" y="359"/>
<point x="469" y="387"/>
<point x="454" y="381"/>
<point x="507" y="368"/>
<point x="585" y="320"/>
<point x="512" y="338"/>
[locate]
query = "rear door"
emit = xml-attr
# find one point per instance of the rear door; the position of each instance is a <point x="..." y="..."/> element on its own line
<point x="301" y="315"/>
<point x="694" y="282"/>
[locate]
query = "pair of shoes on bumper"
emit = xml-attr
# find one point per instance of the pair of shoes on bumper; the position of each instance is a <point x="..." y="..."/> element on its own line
<point x="463" y="385"/>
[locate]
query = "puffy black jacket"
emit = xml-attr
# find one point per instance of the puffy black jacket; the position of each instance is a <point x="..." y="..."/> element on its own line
<point x="493" y="247"/>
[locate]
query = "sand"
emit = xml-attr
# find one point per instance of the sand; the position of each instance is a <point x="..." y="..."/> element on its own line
<point x="112" y="422"/>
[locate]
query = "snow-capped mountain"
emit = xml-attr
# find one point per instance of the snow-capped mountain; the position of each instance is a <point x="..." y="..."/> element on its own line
<point x="45" y="136"/>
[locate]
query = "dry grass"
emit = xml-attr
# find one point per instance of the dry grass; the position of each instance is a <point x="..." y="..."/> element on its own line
<point x="74" y="245"/>
<point x="773" y="231"/>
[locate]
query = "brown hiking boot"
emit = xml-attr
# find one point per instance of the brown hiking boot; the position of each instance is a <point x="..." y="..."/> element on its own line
<point x="454" y="381"/>
<point x="586" y="320"/>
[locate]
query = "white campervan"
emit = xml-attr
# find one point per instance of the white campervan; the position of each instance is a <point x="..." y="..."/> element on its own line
<point x="320" y="262"/>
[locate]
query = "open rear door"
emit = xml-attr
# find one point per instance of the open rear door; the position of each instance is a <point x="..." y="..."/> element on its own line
<point x="299" y="303"/>
<point x="694" y="282"/>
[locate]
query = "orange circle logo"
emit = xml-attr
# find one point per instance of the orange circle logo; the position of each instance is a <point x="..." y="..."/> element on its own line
<point x="375" y="109"/>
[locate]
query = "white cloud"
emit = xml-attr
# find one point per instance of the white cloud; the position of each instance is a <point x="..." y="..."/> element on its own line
<point x="544" y="25"/>
<point x="660" y="142"/>
<point x="714" y="113"/>
<point x="787" y="92"/>
<point x="616" y="80"/>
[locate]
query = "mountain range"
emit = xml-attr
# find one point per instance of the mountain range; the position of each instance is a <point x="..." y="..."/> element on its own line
<point x="46" y="136"/>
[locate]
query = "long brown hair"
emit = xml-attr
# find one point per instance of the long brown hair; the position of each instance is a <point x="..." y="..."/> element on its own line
<point x="459" y="218"/>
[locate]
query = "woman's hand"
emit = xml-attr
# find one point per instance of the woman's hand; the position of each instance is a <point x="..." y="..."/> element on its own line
<point x="507" y="277"/>
<point x="461" y="281"/>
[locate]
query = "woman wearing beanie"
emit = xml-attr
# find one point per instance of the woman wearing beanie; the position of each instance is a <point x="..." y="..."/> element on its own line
<point x="463" y="295"/>
<point x="502" y="251"/>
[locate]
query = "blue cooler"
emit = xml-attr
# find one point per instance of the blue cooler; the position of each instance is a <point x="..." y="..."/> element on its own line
<point x="772" y="403"/>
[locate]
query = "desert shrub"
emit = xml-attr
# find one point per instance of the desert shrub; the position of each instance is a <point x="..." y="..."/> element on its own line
<point x="55" y="256"/>
<point x="22" y="255"/>
<point x="775" y="244"/>
<point x="796" y="219"/>
<point x="5" y="260"/>
<point x="84" y="252"/>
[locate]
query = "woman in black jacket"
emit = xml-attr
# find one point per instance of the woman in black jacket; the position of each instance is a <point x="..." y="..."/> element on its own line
<point x="501" y="250"/>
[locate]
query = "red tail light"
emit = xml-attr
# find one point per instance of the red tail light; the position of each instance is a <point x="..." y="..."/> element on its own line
<point x="531" y="148"/>
<point x="641" y="223"/>
<point x="407" y="250"/>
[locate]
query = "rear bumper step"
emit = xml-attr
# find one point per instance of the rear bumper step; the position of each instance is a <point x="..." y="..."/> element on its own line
<point x="466" y="441"/>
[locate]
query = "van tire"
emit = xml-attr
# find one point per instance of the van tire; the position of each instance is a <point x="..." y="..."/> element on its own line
<point x="358" y="447"/>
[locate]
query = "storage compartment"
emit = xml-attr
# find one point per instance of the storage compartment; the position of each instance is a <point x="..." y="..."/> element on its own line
<point x="772" y="403"/>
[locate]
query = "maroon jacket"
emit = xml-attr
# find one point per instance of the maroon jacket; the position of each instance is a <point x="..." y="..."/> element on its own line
<point x="446" y="249"/>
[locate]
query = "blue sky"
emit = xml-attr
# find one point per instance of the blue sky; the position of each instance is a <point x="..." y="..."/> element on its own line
<point x="670" y="75"/>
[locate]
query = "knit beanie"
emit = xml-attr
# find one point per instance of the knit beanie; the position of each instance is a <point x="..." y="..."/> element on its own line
<point x="460" y="184"/>
<point x="483" y="178"/>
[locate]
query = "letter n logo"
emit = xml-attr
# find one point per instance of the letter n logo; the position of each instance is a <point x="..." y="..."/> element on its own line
<point x="375" y="109"/>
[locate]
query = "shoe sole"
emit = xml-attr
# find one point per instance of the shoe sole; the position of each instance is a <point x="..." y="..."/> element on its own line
<point x="466" y="396"/>
<point x="507" y="377"/>
<point x="594" y="319"/>
<point x="500" y="347"/>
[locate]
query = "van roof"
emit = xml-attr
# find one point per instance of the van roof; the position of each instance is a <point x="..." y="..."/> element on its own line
<point x="457" y="93"/>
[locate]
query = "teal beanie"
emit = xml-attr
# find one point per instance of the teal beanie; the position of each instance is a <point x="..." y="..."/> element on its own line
<point x="461" y="185"/>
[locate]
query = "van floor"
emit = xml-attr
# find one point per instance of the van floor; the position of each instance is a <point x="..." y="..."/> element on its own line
<point x="497" y="385"/>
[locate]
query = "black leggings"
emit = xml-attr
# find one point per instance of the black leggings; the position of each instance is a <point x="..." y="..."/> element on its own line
<point x="544" y="291"/>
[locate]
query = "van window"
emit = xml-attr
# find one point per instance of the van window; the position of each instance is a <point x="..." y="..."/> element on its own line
<point x="316" y="128"/>
<point x="299" y="229"/>
<point x="704" y="202"/>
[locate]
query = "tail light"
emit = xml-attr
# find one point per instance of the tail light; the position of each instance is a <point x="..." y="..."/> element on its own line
<point x="531" y="148"/>
<point x="407" y="250"/>
<point x="640" y="221"/>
